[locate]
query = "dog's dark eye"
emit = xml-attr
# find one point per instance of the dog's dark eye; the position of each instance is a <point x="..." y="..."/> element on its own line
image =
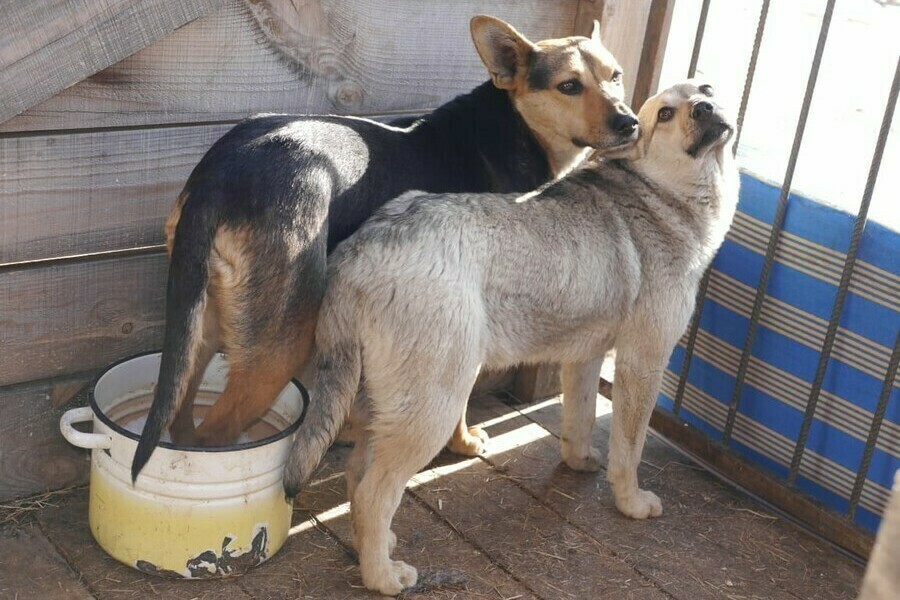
<point x="665" y="113"/>
<point x="617" y="77"/>
<point x="706" y="90"/>
<point x="570" y="87"/>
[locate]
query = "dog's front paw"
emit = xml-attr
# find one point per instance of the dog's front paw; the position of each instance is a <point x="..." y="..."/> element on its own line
<point x="471" y="443"/>
<point x="640" y="505"/>
<point x="392" y="578"/>
<point x="590" y="463"/>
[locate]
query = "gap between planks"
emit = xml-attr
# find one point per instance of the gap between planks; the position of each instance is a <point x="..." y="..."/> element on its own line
<point x="381" y="115"/>
<point x="527" y="415"/>
<point x="414" y="494"/>
<point x="605" y="547"/>
<point x="65" y="558"/>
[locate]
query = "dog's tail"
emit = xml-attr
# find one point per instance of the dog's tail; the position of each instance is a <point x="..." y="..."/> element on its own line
<point x="185" y="305"/>
<point x="338" y="364"/>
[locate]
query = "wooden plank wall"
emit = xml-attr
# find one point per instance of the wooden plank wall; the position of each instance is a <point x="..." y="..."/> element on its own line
<point x="87" y="175"/>
<point x="49" y="45"/>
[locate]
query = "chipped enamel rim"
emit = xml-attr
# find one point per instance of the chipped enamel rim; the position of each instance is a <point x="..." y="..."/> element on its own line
<point x="98" y="412"/>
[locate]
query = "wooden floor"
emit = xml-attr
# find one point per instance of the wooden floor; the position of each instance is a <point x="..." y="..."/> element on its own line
<point x="513" y="524"/>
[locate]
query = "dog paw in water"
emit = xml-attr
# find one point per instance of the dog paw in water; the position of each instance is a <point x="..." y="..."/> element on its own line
<point x="641" y="505"/>
<point x="472" y="443"/>
<point x="589" y="464"/>
<point x="392" y="579"/>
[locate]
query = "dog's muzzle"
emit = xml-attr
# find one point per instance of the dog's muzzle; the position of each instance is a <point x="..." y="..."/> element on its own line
<point x="711" y="127"/>
<point x="624" y="124"/>
<point x="621" y="130"/>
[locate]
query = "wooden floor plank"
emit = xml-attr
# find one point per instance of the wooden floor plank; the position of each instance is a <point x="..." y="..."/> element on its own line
<point x="771" y="548"/>
<point x="711" y="541"/>
<point x="448" y="566"/>
<point x="31" y="568"/>
<point x="513" y="524"/>
<point x="521" y="534"/>
<point x="312" y="564"/>
<point x="66" y="525"/>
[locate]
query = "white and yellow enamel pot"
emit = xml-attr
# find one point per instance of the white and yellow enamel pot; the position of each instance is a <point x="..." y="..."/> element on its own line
<point x="193" y="511"/>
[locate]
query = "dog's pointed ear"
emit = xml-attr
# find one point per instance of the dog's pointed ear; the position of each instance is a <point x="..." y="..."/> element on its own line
<point x="595" y="32"/>
<point x="502" y="49"/>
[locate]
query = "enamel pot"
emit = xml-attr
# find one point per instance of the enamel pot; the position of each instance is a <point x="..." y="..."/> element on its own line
<point x="193" y="511"/>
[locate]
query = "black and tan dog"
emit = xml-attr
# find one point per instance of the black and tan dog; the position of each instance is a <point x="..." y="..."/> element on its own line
<point x="249" y="235"/>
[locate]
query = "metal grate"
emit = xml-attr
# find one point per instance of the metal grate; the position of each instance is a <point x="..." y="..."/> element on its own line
<point x="760" y="296"/>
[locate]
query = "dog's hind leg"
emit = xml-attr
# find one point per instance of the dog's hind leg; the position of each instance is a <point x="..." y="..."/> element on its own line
<point x="410" y="420"/>
<point x="638" y="379"/>
<point x="359" y="458"/>
<point x="395" y="458"/>
<point x="253" y="384"/>
<point x="580" y="382"/>
<point x="182" y="428"/>
<point x="267" y="307"/>
<point x="356" y="466"/>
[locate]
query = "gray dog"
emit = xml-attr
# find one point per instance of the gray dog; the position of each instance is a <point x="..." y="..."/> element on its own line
<point x="435" y="287"/>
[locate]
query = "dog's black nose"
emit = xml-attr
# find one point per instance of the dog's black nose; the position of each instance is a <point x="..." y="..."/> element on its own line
<point x="701" y="110"/>
<point x="623" y="124"/>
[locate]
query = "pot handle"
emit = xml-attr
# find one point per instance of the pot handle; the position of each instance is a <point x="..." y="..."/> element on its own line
<point x="79" y="438"/>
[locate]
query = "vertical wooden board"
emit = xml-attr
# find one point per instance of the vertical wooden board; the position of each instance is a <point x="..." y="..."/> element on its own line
<point x="66" y="195"/>
<point x="34" y="457"/>
<point x="622" y="27"/>
<point x="47" y="45"/>
<point x="659" y="23"/>
<point x="80" y="316"/>
<point x="585" y="13"/>
<point x="536" y="382"/>
<point x="437" y="34"/>
<point x="348" y="56"/>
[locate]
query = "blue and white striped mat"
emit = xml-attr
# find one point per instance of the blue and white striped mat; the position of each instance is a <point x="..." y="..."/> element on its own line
<point x="792" y="327"/>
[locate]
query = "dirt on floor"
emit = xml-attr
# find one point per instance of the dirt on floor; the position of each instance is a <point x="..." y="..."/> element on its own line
<point x="512" y="524"/>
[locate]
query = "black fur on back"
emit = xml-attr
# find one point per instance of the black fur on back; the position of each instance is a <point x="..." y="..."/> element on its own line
<point x="296" y="186"/>
<point x="474" y="143"/>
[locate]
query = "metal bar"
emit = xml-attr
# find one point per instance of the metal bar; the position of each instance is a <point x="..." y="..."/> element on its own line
<point x="704" y="283"/>
<point x="721" y="461"/>
<point x="751" y="70"/>
<point x="877" y="419"/>
<point x="777" y="223"/>
<point x="846" y="275"/>
<point x="691" y="340"/>
<point x="39" y="263"/>
<point x="698" y="39"/>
